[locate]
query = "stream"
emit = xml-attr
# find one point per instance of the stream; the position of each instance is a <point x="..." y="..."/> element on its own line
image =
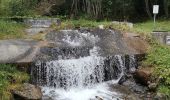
<point x="81" y="67"/>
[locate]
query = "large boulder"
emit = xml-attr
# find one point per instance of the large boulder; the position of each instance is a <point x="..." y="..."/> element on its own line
<point x="14" y="50"/>
<point x="27" y="92"/>
<point x="142" y="76"/>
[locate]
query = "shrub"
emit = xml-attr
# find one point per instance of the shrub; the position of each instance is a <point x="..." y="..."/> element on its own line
<point x="11" y="29"/>
<point x="10" y="78"/>
<point x="159" y="57"/>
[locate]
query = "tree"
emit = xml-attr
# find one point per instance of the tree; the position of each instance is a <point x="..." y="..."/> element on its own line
<point x="148" y="9"/>
<point x="166" y="7"/>
<point x="90" y="7"/>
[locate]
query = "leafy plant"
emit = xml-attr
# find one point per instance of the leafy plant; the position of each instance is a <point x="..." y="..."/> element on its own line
<point x="10" y="78"/>
<point x="159" y="57"/>
<point x="11" y="29"/>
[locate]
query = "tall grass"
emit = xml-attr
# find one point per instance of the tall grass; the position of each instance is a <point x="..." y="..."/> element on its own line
<point x="148" y="26"/>
<point x="10" y="29"/>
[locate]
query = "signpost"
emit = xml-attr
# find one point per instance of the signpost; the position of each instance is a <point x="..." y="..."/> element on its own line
<point x="155" y="12"/>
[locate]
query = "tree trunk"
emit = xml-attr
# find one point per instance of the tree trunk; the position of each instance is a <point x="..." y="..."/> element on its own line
<point x="147" y="9"/>
<point x="166" y="5"/>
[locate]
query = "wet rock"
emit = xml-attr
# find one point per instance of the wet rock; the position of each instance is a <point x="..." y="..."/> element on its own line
<point x="152" y="86"/>
<point x="142" y="77"/>
<point x="126" y="92"/>
<point x="27" y="92"/>
<point x="130" y="97"/>
<point x="46" y="98"/>
<point x="133" y="86"/>
<point x="98" y="98"/>
<point x="123" y="79"/>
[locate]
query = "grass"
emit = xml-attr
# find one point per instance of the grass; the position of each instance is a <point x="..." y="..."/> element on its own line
<point x="11" y="30"/>
<point x="148" y="26"/>
<point x="10" y="78"/>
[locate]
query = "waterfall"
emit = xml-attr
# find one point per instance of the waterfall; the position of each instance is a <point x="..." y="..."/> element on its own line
<point x="79" y="74"/>
<point x="132" y="63"/>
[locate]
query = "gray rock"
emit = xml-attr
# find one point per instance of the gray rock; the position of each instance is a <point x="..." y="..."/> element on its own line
<point x="15" y="50"/>
<point x="152" y="86"/>
<point x="42" y="23"/>
<point x="33" y="31"/>
<point x="27" y="92"/>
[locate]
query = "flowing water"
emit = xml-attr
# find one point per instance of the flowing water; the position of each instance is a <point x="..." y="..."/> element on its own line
<point x="87" y="77"/>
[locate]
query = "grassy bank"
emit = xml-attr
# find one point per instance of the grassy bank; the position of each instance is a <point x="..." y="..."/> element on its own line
<point x="11" y="30"/>
<point x="148" y="26"/>
<point x="10" y="78"/>
<point x="159" y="58"/>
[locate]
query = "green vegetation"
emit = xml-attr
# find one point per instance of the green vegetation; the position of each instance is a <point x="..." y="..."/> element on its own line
<point x="11" y="29"/>
<point x="159" y="57"/>
<point x="131" y="10"/>
<point x="148" y="26"/>
<point x="10" y="78"/>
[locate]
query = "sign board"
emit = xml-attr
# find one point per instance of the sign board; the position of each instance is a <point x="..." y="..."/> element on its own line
<point x="168" y="40"/>
<point x="155" y="9"/>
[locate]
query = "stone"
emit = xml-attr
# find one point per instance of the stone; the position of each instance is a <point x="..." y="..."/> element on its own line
<point x="101" y="26"/>
<point x="123" y="79"/>
<point x="152" y="86"/>
<point x="42" y="23"/>
<point x="142" y="77"/>
<point x="14" y="50"/>
<point x="27" y="92"/>
<point x="98" y="98"/>
<point x="46" y="98"/>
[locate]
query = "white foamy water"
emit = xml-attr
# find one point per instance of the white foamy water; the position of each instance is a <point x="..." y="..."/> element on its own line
<point x="80" y="72"/>
<point x="97" y="92"/>
<point x="79" y="38"/>
<point x="132" y="64"/>
<point x="79" y="84"/>
<point x="82" y="78"/>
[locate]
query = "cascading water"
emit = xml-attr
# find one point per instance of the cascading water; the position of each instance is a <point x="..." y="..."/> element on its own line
<point x="85" y="77"/>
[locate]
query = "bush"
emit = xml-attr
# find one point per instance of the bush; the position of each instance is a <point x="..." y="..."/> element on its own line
<point x="159" y="57"/>
<point x="11" y="29"/>
<point x="10" y="78"/>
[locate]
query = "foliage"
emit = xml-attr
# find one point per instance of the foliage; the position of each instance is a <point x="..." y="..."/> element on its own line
<point x="108" y="9"/>
<point x="159" y="57"/>
<point x="21" y="8"/>
<point x="10" y="78"/>
<point x="148" y="26"/>
<point x="17" y="7"/>
<point x="11" y="29"/>
<point x="118" y="9"/>
<point x="165" y="90"/>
